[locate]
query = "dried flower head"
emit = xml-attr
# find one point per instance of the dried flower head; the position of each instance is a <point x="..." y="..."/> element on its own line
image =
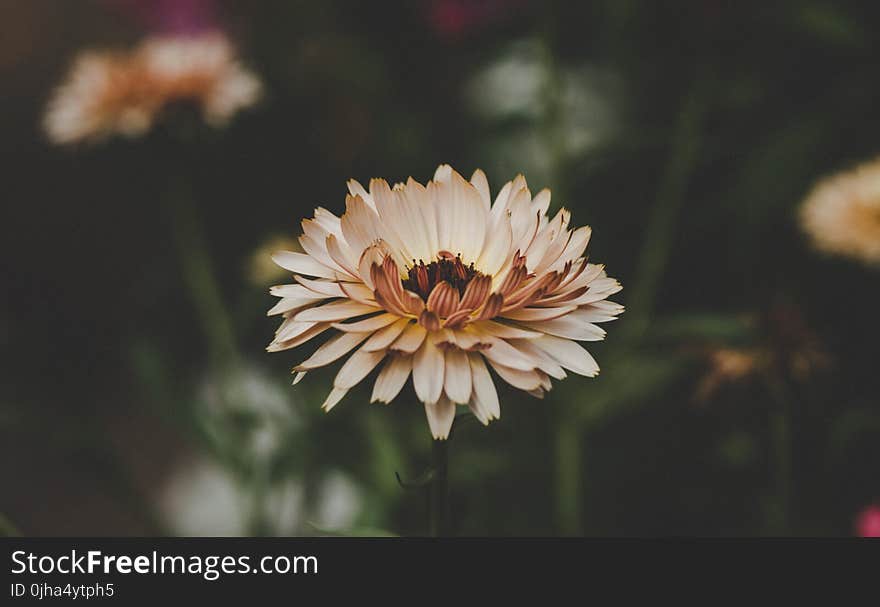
<point x="124" y="93"/>
<point x="436" y="280"/>
<point x="842" y="214"/>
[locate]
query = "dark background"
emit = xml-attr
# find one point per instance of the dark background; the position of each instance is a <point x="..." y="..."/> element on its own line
<point x="684" y="133"/>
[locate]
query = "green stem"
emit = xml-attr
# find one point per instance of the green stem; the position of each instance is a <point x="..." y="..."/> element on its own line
<point x="569" y="476"/>
<point x="198" y="274"/>
<point x="439" y="489"/>
<point x="782" y="445"/>
<point x="655" y="253"/>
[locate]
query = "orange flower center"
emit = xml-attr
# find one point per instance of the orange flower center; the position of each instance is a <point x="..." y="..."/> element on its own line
<point x="422" y="278"/>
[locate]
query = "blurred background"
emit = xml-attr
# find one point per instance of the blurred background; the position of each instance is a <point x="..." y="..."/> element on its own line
<point x="738" y="393"/>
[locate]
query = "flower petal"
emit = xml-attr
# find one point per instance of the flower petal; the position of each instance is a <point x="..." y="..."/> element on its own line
<point x="440" y="415"/>
<point x="373" y="323"/>
<point x="357" y="367"/>
<point x="300" y="263"/>
<point x="570" y="326"/>
<point x="538" y="315"/>
<point x="392" y="378"/>
<point x="336" y="347"/>
<point x="457" y="376"/>
<point x="333" y="398"/>
<point x="484" y="388"/>
<point x="337" y="310"/>
<point x="428" y="371"/>
<point x="384" y="338"/>
<point x="410" y="340"/>
<point x="568" y="354"/>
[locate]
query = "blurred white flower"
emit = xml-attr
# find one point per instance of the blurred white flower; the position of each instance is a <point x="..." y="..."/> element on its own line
<point x="225" y="399"/>
<point x="538" y="111"/>
<point x="842" y="214"/>
<point x="203" y="499"/>
<point x="339" y="502"/>
<point x="515" y="84"/>
<point x="284" y="508"/>
<point x="123" y="93"/>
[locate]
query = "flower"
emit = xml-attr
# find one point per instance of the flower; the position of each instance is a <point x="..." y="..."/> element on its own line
<point x="727" y="366"/>
<point x="436" y="281"/>
<point x="868" y="522"/>
<point x="124" y="93"/>
<point x="842" y="214"/>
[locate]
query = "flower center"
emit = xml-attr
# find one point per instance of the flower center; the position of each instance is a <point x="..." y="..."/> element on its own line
<point x="422" y="278"/>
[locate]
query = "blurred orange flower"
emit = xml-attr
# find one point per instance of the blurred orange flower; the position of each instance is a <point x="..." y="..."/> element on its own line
<point x="123" y="93"/>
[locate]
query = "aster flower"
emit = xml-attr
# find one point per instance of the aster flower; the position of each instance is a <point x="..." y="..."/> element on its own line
<point x="125" y="93"/>
<point x="842" y="214"/>
<point x="437" y="281"/>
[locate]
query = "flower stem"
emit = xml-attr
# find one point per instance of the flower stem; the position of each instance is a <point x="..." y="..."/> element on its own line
<point x="781" y="431"/>
<point x="198" y="274"/>
<point x="655" y="253"/>
<point x="569" y="476"/>
<point x="439" y="489"/>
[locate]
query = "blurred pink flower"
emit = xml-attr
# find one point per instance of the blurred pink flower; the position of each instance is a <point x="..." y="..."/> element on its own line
<point x="868" y="522"/>
<point x="456" y="18"/>
<point x="169" y="16"/>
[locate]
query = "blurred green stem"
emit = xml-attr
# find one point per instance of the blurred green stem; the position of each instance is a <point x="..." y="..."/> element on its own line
<point x="568" y="465"/>
<point x="198" y="273"/>
<point x="569" y="475"/>
<point x="439" y="489"/>
<point x="655" y="253"/>
<point x="683" y="156"/>
<point x="781" y="437"/>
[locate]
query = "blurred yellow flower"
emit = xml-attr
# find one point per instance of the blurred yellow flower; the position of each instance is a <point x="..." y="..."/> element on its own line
<point x="261" y="270"/>
<point x="436" y="280"/>
<point x="123" y="93"/>
<point x="842" y="214"/>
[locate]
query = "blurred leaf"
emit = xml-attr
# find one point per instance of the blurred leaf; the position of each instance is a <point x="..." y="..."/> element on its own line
<point x="354" y="532"/>
<point x="630" y="381"/>
<point x="709" y="327"/>
<point x="829" y="23"/>
<point x="850" y="426"/>
<point x="737" y="449"/>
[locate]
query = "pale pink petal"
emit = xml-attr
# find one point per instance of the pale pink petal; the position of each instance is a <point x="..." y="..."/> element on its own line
<point x="300" y="263"/>
<point x="524" y="380"/>
<point x="457" y="377"/>
<point x="337" y="310"/>
<point x="440" y="415"/>
<point x="373" y="323"/>
<point x="392" y="378"/>
<point x="538" y="315"/>
<point x="333" y="398"/>
<point x="411" y="339"/>
<point x="428" y="372"/>
<point x="568" y="354"/>
<point x="484" y="388"/>
<point x="333" y="349"/>
<point x="384" y="338"/>
<point x="357" y="367"/>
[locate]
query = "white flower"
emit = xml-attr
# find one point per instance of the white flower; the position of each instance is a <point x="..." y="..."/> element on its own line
<point x="116" y="93"/>
<point x="436" y="281"/>
<point x="842" y="214"/>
